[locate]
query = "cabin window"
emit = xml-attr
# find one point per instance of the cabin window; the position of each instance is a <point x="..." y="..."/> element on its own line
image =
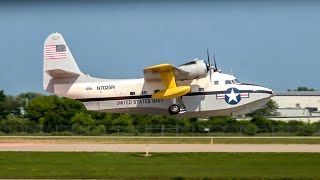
<point x="144" y="92"/>
<point x="216" y="83"/>
<point x="201" y="89"/>
<point x="228" y="82"/>
<point x="132" y="93"/>
<point x="157" y="90"/>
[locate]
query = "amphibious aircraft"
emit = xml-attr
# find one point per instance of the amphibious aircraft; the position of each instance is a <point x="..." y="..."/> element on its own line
<point x="193" y="89"/>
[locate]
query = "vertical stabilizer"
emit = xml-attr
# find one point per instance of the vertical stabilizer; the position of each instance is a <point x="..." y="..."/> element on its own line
<point x="58" y="61"/>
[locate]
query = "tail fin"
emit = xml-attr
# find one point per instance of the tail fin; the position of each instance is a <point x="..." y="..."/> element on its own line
<point x="58" y="61"/>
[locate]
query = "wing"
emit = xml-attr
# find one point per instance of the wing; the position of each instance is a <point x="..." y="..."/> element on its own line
<point x="166" y="73"/>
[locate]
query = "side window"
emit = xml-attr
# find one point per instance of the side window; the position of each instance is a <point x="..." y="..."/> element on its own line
<point x="144" y="92"/>
<point x="132" y="93"/>
<point x="216" y="82"/>
<point x="157" y="90"/>
<point x="228" y="82"/>
<point x="201" y="89"/>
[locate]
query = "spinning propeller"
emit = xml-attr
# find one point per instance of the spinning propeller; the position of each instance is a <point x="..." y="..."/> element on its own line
<point x="209" y="66"/>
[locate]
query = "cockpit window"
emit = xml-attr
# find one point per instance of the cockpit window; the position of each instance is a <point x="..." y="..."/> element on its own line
<point x="237" y="81"/>
<point x="228" y="82"/>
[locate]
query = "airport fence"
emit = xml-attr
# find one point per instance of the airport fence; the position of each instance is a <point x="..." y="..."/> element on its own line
<point x="162" y="130"/>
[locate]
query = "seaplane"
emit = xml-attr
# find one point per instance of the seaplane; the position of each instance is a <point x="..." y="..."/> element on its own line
<point x="193" y="89"/>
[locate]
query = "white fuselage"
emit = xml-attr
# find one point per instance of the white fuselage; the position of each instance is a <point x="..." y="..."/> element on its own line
<point x="219" y="95"/>
<point x="197" y="88"/>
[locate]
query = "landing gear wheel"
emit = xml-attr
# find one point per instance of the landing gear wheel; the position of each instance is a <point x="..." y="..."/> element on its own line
<point x="174" y="109"/>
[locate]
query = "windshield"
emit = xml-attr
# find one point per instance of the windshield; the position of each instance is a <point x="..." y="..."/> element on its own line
<point x="237" y="81"/>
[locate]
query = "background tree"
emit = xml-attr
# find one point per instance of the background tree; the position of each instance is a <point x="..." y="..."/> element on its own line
<point x="52" y="110"/>
<point x="2" y="105"/>
<point x="8" y="106"/>
<point x="24" y="98"/>
<point x="302" y="88"/>
<point x="82" y="119"/>
<point x="270" y="109"/>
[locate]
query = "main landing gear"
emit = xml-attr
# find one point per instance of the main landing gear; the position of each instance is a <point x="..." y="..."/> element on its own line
<point x="174" y="109"/>
<point x="177" y="108"/>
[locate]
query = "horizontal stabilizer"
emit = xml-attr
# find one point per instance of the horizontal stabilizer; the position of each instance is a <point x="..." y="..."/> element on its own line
<point x="59" y="73"/>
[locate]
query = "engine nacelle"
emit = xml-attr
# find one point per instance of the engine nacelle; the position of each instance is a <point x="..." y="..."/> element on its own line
<point x="196" y="69"/>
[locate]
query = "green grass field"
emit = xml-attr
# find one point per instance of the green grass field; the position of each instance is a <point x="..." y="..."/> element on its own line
<point x="160" y="166"/>
<point x="124" y="140"/>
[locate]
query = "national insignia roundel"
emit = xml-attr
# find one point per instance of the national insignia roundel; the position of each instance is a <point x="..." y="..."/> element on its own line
<point x="232" y="96"/>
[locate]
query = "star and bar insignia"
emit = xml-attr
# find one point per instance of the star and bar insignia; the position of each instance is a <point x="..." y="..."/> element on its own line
<point x="232" y="96"/>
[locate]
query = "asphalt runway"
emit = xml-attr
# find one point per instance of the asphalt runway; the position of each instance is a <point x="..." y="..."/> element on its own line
<point x="42" y="147"/>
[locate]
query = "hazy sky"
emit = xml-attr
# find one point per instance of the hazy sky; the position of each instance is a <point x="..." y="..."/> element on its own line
<point x="272" y="43"/>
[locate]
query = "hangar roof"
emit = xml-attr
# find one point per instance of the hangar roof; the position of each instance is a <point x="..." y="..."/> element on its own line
<point x="297" y="93"/>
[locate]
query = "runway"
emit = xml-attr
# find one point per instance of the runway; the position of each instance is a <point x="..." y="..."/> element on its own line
<point x="154" y="148"/>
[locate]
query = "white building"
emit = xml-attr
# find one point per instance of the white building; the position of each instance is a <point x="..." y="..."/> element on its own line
<point x="298" y="105"/>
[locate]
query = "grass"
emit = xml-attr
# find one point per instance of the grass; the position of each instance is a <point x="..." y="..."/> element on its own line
<point x="124" y="140"/>
<point x="160" y="166"/>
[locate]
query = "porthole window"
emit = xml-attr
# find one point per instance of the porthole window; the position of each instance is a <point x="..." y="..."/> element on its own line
<point x="228" y="82"/>
<point x="144" y="92"/>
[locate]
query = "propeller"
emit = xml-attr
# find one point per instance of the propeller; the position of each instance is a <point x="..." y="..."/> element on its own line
<point x="208" y="63"/>
<point x="209" y="66"/>
<point x="215" y="64"/>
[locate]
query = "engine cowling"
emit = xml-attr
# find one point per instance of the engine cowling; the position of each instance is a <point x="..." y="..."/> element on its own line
<point x="196" y="69"/>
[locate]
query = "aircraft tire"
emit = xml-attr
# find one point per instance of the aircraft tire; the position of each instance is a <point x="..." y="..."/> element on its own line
<point x="174" y="109"/>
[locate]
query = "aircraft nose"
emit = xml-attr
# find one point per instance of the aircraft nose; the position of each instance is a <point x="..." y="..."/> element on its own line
<point x="267" y="90"/>
<point x="272" y="92"/>
<point x="259" y="89"/>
